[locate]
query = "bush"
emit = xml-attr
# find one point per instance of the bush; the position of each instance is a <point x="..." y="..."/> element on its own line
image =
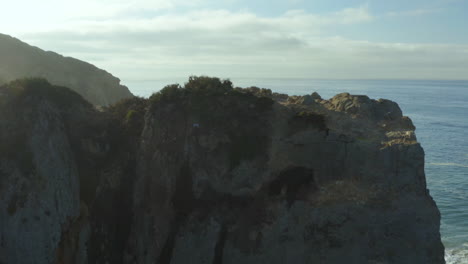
<point x="39" y="88"/>
<point x="260" y="92"/>
<point x="195" y="87"/>
<point x="208" y="85"/>
<point x="128" y="109"/>
<point x="169" y="93"/>
<point x="127" y="118"/>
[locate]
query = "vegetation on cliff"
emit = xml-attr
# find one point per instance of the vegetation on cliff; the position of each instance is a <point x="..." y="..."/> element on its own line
<point x="198" y="92"/>
<point x="215" y="105"/>
<point x="129" y="114"/>
<point x="32" y="90"/>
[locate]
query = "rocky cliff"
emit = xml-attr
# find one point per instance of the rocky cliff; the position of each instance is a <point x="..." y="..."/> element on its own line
<point x="19" y="60"/>
<point x="208" y="173"/>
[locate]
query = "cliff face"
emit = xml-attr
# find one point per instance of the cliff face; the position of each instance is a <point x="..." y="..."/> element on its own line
<point x="212" y="174"/>
<point x="19" y="60"/>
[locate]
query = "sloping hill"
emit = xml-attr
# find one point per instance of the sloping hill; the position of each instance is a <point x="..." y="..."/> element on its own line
<point x="20" y="60"/>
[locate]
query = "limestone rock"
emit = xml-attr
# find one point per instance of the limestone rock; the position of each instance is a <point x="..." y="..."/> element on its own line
<point x="212" y="174"/>
<point x="330" y="183"/>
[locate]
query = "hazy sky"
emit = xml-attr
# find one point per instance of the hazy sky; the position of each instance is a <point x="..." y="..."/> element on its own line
<point x="160" y="39"/>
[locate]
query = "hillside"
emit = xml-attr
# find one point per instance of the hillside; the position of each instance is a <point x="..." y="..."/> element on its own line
<point x="20" y="60"/>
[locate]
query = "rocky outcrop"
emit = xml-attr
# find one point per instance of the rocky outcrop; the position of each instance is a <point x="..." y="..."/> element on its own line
<point x="19" y="60"/>
<point x="212" y="174"/>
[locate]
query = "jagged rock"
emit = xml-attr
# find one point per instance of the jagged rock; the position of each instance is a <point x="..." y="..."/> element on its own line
<point x="363" y="106"/>
<point x="220" y="175"/>
<point x="19" y="60"/>
<point x="308" y="100"/>
<point x="316" y="96"/>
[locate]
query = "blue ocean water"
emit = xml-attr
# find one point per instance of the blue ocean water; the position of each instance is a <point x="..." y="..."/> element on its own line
<point x="439" y="109"/>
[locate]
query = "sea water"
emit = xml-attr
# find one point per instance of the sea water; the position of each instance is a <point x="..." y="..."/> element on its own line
<point x="439" y="110"/>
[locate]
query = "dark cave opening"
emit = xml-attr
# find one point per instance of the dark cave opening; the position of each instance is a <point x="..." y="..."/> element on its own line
<point x="292" y="180"/>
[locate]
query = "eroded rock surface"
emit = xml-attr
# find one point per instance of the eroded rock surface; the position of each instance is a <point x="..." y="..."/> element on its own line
<point x="212" y="174"/>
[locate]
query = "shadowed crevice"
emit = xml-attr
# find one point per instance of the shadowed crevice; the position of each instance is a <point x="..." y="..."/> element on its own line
<point x="219" y="248"/>
<point x="292" y="180"/>
<point x="183" y="200"/>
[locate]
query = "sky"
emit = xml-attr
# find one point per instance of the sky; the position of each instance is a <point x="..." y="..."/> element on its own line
<point x="147" y="40"/>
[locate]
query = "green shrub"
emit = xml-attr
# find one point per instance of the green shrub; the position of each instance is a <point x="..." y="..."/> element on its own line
<point x="202" y="86"/>
<point x="169" y="93"/>
<point x="261" y="92"/>
<point x="208" y="85"/>
<point x="130" y="116"/>
<point x="39" y="88"/>
<point x="128" y="110"/>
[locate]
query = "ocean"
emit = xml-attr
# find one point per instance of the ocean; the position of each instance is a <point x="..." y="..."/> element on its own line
<point x="439" y="110"/>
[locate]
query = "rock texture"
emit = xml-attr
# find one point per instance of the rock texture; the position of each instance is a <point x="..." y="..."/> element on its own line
<point x="211" y="174"/>
<point x="19" y="60"/>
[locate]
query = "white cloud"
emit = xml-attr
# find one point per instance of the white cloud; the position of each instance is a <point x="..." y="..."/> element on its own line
<point x="22" y="16"/>
<point x="242" y="44"/>
<point x="415" y="12"/>
<point x="210" y="30"/>
<point x="200" y="19"/>
<point x="353" y="15"/>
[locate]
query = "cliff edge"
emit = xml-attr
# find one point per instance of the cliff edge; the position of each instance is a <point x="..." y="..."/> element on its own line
<point x="208" y="173"/>
<point x="20" y="60"/>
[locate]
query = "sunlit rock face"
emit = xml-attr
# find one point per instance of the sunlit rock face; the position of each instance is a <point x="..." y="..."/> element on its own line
<point x="213" y="174"/>
<point x="19" y="60"/>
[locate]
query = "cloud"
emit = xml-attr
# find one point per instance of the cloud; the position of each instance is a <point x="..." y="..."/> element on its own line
<point x="412" y="13"/>
<point x="121" y="17"/>
<point x="354" y="15"/>
<point x="243" y="44"/>
<point x="215" y="31"/>
<point x="24" y="16"/>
